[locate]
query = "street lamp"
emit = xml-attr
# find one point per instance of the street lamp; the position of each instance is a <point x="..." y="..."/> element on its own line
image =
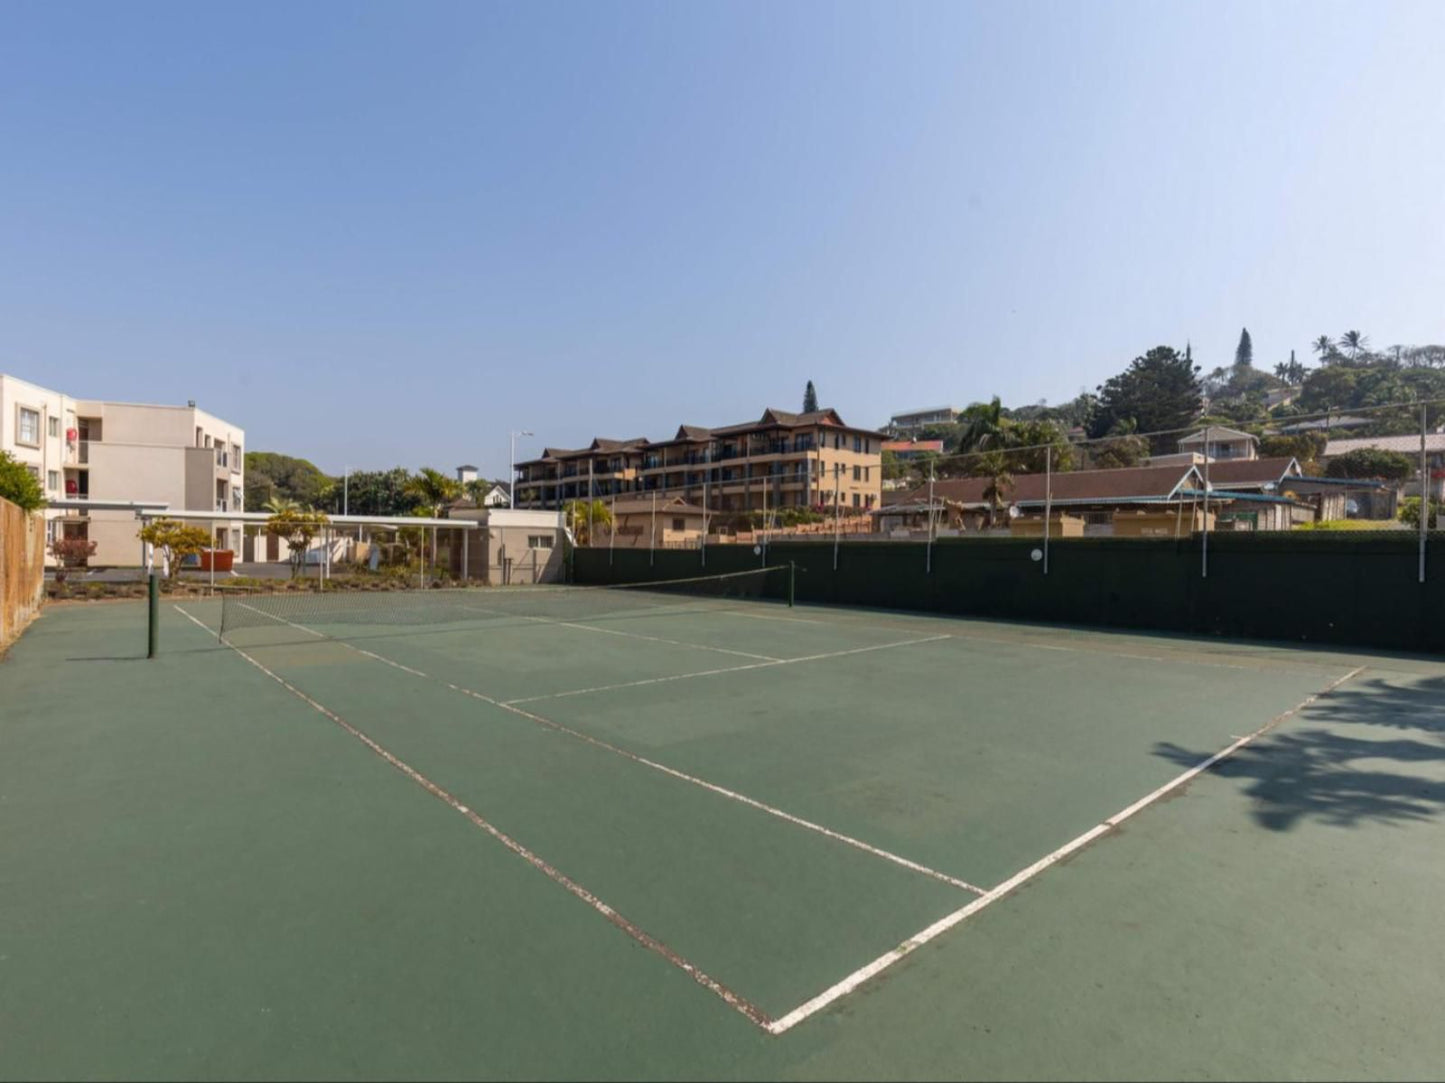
<point x="512" y="462"/>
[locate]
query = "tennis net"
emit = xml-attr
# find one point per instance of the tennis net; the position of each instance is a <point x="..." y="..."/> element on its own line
<point x="330" y="612"/>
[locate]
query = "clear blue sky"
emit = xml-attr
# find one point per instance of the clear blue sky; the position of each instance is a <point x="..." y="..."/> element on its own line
<point x="386" y="234"/>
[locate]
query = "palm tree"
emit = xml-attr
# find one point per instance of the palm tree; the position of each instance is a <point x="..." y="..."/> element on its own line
<point x="478" y="489"/>
<point x="586" y="516"/>
<point x="434" y="489"/>
<point x="1355" y="342"/>
<point x="278" y="504"/>
<point x="994" y="466"/>
<point x="982" y="427"/>
<point x="1324" y="346"/>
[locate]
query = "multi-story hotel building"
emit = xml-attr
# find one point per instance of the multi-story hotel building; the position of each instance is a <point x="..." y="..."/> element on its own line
<point x="812" y="460"/>
<point x="88" y="450"/>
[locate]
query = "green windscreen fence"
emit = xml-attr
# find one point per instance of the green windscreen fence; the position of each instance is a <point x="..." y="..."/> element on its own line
<point x="1360" y="590"/>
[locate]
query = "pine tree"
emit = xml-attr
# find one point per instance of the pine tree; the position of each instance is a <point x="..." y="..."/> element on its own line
<point x="810" y="399"/>
<point x="1244" y="352"/>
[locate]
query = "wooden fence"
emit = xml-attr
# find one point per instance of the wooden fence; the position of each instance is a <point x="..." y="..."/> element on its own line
<point x="22" y="569"/>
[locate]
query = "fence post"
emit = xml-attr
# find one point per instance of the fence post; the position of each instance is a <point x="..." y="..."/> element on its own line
<point x="1424" y="489"/>
<point x="1048" y="500"/>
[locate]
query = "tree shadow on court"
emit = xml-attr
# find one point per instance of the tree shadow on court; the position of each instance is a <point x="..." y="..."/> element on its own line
<point x="1324" y="766"/>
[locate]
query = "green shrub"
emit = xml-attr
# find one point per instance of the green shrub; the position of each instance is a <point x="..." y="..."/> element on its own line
<point x="18" y="485"/>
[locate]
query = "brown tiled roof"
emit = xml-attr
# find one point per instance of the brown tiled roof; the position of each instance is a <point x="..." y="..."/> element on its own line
<point x="603" y="443"/>
<point x="1250" y="471"/>
<point x="634" y="506"/>
<point x="1101" y="485"/>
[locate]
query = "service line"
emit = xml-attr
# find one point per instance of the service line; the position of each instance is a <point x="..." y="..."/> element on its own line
<point x="751" y="1011"/>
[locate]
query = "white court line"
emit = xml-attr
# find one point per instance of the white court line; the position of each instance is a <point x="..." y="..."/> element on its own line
<point x="751" y="1011"/>
<point x="742" y="798"/>
<point x="726" y="669"/>
<point x="1025" y="642"/>
<point x="858" y="977"/>
<point x="656" y="639"/>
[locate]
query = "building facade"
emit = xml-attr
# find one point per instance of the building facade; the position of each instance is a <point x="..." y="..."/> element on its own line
<point x="812" y="460"/>
<point x="908" y="424"/>
<point x="92" y="450"/>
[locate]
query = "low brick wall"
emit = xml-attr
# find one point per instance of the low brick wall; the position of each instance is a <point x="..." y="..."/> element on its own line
<point x="22" y="569"/>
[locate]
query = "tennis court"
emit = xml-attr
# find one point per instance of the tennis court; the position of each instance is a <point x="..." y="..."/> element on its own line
<point x="690" y="829"/>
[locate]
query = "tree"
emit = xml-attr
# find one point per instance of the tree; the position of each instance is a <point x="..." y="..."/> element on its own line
<point x="1291" y="372"/>
<point x="981" y="425"/>
<point x="1244" y="352"/>
<point x="1325" y="347"/>
<point x="176" y="540"/>
<point x="18" y="485"/>
<point x="994" y="466"/>
<point x="1354" y="343"/>
<point x="1369" y="462"/>
<point x="269" y="475"/>
<point x="71" y="552"/>
<point x="477" y="490"/>
<point x="299" y="528"/>
<point x="375" y="492"/>
<point x="1409" y="513"/>
<point x="1304" y="446"/>
<point x="585" y="517"/>
<point x="434" y="490"/>
<point x="1045" y="445"/>
<point x="1120" y="452"/>
<point x="1157" y="392"/>
<point x="810" y="399"/>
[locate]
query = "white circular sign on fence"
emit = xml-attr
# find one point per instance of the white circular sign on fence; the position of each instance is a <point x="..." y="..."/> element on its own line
<point x="1037" y="554"/>
<point x="757" y="550"/>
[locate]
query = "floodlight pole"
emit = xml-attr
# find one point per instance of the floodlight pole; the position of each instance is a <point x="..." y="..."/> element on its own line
<point x="1424" y="489"/>
<point x="512" y="466"/>
<point x="928" y="560"/>
<point x="1204" y="541"/>
<point x="1048" y="500"/>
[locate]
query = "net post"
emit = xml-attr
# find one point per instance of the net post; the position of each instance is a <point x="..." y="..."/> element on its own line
<point x="792" y="582"/>
<point x="153" y="615"/>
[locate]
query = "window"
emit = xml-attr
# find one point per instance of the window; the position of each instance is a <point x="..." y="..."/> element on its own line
<point x="679" y="524"/>
<point x="27" y="428"/>
<point x="867" y="471"/>
<point x="857" y="443"/>
<point x="856" y="500"/>
<point x="52" y="481"/>
<point x="539" y="541"/>
<point x="55" y="427"/>
<point x="34" y="471"/>
<point x="857" y="473"/>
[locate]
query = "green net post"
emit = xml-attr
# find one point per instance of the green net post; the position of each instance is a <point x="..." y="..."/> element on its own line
<point x="153" y="620"/>
<point x="792" y="582"/>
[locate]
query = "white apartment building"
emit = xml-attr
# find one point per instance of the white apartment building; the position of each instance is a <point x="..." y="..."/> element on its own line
<point x="86" y="449"/>
<point x="910" y="422"/>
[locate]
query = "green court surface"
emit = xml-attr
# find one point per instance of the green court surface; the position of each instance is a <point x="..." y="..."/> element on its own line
<point x="503" y="834"/>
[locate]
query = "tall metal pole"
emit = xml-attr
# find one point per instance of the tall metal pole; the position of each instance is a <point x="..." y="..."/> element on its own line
<point x="346" y="492"/>
<point x="928" y="562"/>
<point x="1048" y="500"/>
<point x="836" y="506"/>
<point x="1204" y="542"/>
<point x="512" y="466"/>
<point x="1424" y="490"/>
